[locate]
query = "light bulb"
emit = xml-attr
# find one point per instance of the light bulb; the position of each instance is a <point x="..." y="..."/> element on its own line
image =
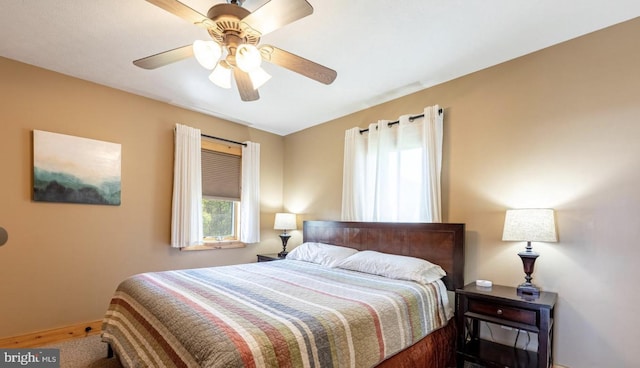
<point x="248" y="57"/>
<point x="258" y="77"/>
<point x="221" y="76"/>
<point x="207" y="53"/>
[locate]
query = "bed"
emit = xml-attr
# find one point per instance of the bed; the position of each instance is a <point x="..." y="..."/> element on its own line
<point x="292" y="313"/>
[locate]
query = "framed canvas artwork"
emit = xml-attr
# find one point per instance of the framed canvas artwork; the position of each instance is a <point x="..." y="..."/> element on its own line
<point x="75" y="170"/>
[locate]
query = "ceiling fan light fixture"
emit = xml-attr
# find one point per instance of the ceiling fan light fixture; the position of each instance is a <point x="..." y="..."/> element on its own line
<point x="207" y="53"/>
<point x="236" y="33"/>
<point x="221" y="76"/>
<point x="248" y="57"/>
<point x="258" y="77"/>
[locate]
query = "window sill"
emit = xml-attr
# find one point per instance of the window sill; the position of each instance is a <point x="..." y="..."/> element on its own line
<point x="215" y="245"/>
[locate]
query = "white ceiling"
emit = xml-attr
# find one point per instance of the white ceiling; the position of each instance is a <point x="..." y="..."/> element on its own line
<point x="381" y="49"/>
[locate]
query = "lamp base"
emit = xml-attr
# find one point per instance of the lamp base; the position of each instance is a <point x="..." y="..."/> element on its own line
<point x="285" y="238"/>
<point x="528" y="289"/>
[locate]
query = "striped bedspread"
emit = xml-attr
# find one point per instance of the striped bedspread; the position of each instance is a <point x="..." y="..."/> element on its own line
<point x="271" y="314"/>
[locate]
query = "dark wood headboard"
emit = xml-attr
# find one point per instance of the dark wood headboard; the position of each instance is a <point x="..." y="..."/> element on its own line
<point x="442" y="244"/>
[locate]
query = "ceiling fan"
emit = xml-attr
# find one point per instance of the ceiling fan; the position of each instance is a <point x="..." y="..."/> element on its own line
<point x="235" y="48"/>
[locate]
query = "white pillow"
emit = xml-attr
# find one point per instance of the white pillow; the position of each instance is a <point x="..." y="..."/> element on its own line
<point x="393" y="266"/>
<point x="320" y="253"/>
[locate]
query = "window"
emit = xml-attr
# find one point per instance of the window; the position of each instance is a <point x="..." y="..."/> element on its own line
<point x="221" y="179"/>
<point x="219" y="219"/>
<point x="403" y="184"/>
<point x="392" y="173"/>
<point x="186" y="208"/>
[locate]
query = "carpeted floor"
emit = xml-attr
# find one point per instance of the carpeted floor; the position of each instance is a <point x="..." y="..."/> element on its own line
<point x="86" y="352"/>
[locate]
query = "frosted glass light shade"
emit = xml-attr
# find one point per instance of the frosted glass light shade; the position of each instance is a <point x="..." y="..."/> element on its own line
<point x="248" y="57"/>
<point x="221" y="76"/>
<point x="207" y="53"/>
<point x="529" y="225"/>
<point x="285" y="221"/>
<point x="258" y="77"/>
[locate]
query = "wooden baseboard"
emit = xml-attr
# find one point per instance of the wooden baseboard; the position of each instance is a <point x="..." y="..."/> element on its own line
<point x="53" y="336"/>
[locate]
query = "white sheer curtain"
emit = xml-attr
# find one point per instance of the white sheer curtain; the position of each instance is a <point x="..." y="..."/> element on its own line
<point x="186" y="214"/>
<point x="392" y="173"/>
<point x="250" y="202"/>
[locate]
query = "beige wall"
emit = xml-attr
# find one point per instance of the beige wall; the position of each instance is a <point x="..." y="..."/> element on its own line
<point x="558" y="128"/>
<point x="63" y="261"/>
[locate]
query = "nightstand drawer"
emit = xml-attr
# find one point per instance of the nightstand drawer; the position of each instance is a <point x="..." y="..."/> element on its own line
<point x="499" y="311"/>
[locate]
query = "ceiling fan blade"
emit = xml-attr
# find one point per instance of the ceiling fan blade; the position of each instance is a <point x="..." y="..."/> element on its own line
<point x="298" y="64"/>
<point x="164" y="58"/>
<point x="245" y="87"/>
<point x="179" y="9"/>
<point x="277" y="13"/>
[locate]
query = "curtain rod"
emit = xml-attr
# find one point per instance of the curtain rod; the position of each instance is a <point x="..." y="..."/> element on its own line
<point x="223" y="139"/>
<point x="220" y="139"/>
<point x="411" y="118"/>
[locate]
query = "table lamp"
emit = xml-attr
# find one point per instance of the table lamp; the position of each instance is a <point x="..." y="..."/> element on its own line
<point x="530" y="225"/>
<point x="284" y="222"/>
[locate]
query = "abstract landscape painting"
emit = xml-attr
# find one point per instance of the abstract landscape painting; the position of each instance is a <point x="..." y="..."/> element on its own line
<point x="75" y="170"/>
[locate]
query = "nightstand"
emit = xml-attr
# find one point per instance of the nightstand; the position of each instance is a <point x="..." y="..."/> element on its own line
<point x="268" y="257"/>
<point x="502" y="306"/>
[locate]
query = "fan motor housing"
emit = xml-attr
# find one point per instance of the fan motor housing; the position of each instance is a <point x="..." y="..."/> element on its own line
<point x="226" y="19"/>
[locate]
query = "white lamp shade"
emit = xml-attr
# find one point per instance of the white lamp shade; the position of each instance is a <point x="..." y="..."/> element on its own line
<point x="248" y="57"/>
<point x="207" y="53"/>
<point x="258" y="77"/>
<point x="537" y="224"/>
<point x="285" y="221"/>
<point x="221" y="76"/>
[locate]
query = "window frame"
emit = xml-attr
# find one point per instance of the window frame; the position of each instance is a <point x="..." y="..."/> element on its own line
<point x="236" y="223"/>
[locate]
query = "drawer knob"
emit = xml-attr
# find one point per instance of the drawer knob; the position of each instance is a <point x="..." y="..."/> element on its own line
<point x="499" y="311"/>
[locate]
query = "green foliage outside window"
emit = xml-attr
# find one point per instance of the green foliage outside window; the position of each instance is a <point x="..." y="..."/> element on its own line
<point x="217" y="218"/>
